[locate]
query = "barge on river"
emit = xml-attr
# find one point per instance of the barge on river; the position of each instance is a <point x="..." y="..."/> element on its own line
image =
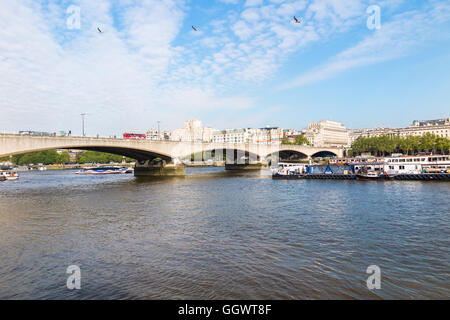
<point x="422" y="167"/>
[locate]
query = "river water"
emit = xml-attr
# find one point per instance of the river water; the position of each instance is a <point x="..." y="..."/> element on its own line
<point x="218" y="235"/>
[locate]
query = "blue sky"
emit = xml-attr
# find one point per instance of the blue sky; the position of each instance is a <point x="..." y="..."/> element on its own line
<point x="248" y="65"/>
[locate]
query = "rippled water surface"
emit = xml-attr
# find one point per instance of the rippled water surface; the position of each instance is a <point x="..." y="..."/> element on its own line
<point x="213" y="235"/>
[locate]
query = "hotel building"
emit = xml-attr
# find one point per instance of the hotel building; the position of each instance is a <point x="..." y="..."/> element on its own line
<point x="326" y="133"/>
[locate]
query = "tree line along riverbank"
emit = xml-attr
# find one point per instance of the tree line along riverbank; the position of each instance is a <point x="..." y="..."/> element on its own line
<point x="385" y="145"/>
<point x="52" y="157"/>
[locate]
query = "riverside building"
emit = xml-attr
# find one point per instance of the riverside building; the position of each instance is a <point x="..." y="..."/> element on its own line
<point x="155" y="134"/>
<point x="268" y="135"/>
<point x="326" y="133"/>
<point x="193" y="131"/>
<point x="439" y="127"/>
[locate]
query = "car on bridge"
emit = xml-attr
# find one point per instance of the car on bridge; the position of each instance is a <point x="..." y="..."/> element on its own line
<point x="37" y="133"/>
<point x="135" y="136"/>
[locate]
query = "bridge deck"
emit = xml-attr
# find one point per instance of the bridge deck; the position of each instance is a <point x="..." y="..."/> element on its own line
<point x="11" y="144"/>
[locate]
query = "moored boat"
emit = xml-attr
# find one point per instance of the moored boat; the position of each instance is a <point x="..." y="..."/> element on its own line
<point x="129" y="170"/>
<point x="9" y="175"/>
<point x="288" y="171"/>
<point x="420" y="167"/>
<point x="371" y="176"/>
<point x="104" y="170"/>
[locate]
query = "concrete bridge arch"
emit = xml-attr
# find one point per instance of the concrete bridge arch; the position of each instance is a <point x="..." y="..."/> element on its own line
<point x="144" y="150"/>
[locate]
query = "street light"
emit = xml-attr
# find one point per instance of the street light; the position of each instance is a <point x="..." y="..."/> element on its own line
<point x="158" y="130"/>
<point x="82" y="123"/>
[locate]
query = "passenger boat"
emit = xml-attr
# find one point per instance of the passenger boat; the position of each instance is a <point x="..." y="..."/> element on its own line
<point x="104" y="170"/>
<point x="9" y="175"/>
<point x="420" y="167"/>
<point x="418" y="164"/>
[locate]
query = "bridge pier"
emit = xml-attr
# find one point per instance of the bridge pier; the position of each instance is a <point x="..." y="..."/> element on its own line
<point x="146" y="168"/>
<point x="238" y="160"/>
<point x="245" y="166"/>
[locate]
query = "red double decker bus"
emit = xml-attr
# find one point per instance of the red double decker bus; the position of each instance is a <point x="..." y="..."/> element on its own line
<point x="138" y="136"/>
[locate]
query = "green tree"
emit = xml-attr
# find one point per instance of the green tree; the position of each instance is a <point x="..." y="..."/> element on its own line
<point x="53" y="157"/>
<point x="100" y="157"/>
<point x="384" y="145"/>
<point x="299" y="140"/>
<point x="427" y="142"/>
<point x="64" y="157"/>
<point x="44" y="157"/>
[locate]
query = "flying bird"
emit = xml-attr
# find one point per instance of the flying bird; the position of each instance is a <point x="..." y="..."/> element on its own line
<point x="296" y="20"/>
<point x="99" y="30"/>
<point x="195" y="29"/>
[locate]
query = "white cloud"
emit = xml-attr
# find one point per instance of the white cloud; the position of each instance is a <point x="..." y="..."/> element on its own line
<point x="393" y="40"/>
<point x="267" y="35"/>
<point x="251" y="3"/>
<point x="229" y="1"/>
<point x="250" y="15"/>
<point x="146" y="66"/>
<point x="292" y="8"/>
<point x="128" y="76"/>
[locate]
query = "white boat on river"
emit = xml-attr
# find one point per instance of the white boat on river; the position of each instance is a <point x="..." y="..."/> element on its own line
<point x="104" y="170"/>
<point x="9" y="175"/>
<point x="287" y="169"/>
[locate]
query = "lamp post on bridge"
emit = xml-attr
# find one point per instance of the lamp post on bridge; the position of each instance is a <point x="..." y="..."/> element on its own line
<point x="82" y="123"/>
<point x="159" y="138"/>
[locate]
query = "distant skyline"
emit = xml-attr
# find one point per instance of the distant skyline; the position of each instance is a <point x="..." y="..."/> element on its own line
<point x="247" y="65"/>
<point x="305" y="127"/>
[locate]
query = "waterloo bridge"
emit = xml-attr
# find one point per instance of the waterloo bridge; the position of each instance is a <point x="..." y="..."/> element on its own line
<point x="169" y="154"/>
